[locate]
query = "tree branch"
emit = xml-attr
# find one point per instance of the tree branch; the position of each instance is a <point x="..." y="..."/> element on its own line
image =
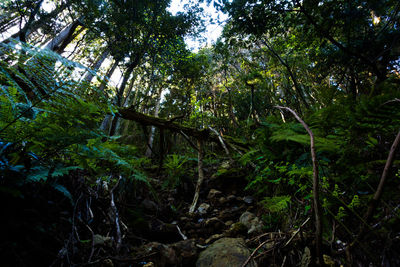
<point x="317" y="206"/>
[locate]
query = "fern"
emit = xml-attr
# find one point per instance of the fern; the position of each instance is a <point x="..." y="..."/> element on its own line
<point x="47" y="111"/>
<point x="276" y="204"/>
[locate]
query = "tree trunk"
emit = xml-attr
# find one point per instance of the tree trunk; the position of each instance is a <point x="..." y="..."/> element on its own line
<point x="204" y="134"/>
<point x="153" y="129"/>
<point x="105" y="125"/>
<point x="96" y="66"/>
<point x="61" y="41"/>
<point x="378" y="193"/>
<point x="108" y="75"/>
<point x="299" y="90"/>
<point x="8" y="21"/>
<point x="33" y="25"/>
<point x="126" y="104"/>
<point x="201" y="175"/>
<point x="120" y="94"/>
<point x="24" y="30"/>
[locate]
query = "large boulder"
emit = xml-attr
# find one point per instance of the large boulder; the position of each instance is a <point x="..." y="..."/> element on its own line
<point x="225" y="252"/>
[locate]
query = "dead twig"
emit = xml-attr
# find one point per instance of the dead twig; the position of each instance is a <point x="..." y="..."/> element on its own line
<point x="180" y="232"/>
<point x="254" y="252"/>
<point x="391" y="101"/>
<point x="296" y="232"/>
<point x="222" y="143"/>
<point x="284" y="261"/>
<point x="116" y="216"/>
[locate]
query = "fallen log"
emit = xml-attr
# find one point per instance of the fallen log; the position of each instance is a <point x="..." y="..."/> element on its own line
<point x="200" y="134"/>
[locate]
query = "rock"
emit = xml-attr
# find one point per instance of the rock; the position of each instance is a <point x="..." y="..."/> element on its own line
<point x="228" y="223"/>
<point x="252" y="222"/>
<point x="213" y="194"/>
<point x="203" y="208"/>
<point x="162" y="232"/>
<point x="213" y="238"/>
<point x="246" y="218"/>
<point x="225" y="252"/>
<point x="236" y="229"/>
<point x="248" y="200"/>
<point x="232" y="213"/>
<point x="222" y="200"/>
<point x="231" y="198"/>
<point x="149" y="264"/>
<point x="107" y="263"/>
<point x="214" y="222"/>
<point x="186" y="251"/>
<point x="149" y="205"/>
<point x="166" y="255"/>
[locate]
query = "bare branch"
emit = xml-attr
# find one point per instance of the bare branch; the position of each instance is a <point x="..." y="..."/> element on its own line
<point x="317" y="207"/>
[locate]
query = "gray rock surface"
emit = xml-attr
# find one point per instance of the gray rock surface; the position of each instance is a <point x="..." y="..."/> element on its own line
<point x="225" y="252"/>
<point x="252" y="222"/>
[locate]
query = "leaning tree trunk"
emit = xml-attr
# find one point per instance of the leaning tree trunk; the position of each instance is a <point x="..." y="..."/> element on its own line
<point x="33" y="25"/>
<point x="127" y="103"/>
<point x="61" y="41"/>
<point x="120" y="95"/>
<point x="108" y="75"/>
<point x="26" y="30"/>
<point x="153" y="129"/>
<point x="379" y="191"/>
<point x="96" y="66"/>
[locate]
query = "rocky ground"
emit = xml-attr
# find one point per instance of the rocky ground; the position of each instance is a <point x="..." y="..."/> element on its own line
<point x="227" y="228"/>
<point x="223" y="231"/>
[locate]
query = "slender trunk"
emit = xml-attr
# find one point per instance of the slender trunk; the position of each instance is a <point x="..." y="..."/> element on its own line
<point x="22" y="33"/>
<point x="230" y="108"/>
<point x="153" y="129"/>
<point x="108" y="75"/>
<point x="379" y="190"/>
<point x="316" y="202"/>
<point x="72" y="36"/>
<point x="96" y="66"/>
<point x="125" y="105"/>
<point x="33" y="25"/>
<point x="161" y="160"/>
<point x="8" y="22"/>
<point x="24" y="30"/>
<point x="120" y="94"/>
<point x="59" y="42"/>
<point x="201" y="175"/>
<point x="292" y="76"/>
<point x="105" y="125"/>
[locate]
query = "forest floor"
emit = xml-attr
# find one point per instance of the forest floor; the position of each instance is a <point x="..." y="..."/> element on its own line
<point x="155" y="226"/>
<point x="226" y="215"/>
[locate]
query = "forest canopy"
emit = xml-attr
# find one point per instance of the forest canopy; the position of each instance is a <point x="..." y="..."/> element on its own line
<point x="121" y="146"/>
